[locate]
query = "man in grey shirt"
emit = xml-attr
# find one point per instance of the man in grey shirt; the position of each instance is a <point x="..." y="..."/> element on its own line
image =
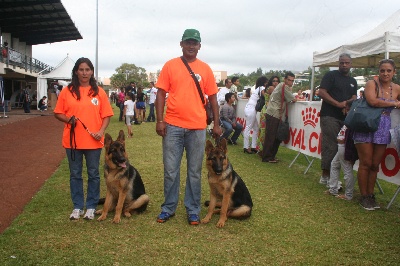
<point x="276" y="111"/>
<point x="228" y="119"/>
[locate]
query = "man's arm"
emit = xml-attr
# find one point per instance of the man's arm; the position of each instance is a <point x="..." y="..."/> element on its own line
<point x="217" y="131"/>
<point x="323" y="93"/>
<point x="160" y="104"/>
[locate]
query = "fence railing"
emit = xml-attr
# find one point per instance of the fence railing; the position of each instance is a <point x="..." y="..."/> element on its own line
<point x="15" y="59"/>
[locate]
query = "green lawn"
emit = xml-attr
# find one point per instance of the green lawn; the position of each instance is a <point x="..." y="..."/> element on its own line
<point x="292" y="223"/>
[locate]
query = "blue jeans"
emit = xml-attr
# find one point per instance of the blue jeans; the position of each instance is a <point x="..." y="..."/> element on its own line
<point x="151" y="116"/>
<point x="76" y="182"/>
<point x="176" y="140"/>
<point x="121" y="111"/>
<point x="228" y="130"/>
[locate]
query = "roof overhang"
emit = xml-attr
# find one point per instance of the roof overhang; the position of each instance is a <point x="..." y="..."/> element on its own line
<point x="37" y="21"/>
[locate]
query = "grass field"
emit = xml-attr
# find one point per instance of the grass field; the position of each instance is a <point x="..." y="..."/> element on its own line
<point x="292" y="223"/>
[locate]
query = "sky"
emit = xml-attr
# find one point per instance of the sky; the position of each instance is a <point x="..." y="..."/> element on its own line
<point x="237" y="36"/>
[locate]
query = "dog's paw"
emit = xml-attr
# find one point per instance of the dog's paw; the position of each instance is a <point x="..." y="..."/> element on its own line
<point x="101" y="218"/>
<point x="127" y="214"/>
<point x="99" y="211"/>
<point x="221" y="223"/>
<point x="117" y="220"/>
<point x="206" y="219"/>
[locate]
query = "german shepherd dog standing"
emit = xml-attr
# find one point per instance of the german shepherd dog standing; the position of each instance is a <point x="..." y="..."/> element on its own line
<point x="227" y="190"/>
<point x="125" y="188"/>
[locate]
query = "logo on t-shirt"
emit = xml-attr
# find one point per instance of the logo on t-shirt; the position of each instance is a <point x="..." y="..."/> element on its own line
<point x="95" y="101"/>
<point x="198" y="77"/>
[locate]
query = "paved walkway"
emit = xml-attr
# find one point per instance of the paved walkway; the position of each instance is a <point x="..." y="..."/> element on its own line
<point x="18" y="114"/>
<point x="30" y="152"/>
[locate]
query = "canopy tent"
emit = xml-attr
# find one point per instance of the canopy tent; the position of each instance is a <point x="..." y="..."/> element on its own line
<point x="61" y="72"/>
<point x="366" y="51"/>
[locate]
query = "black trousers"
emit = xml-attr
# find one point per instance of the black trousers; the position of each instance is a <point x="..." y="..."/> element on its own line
<point x="271" y="143"/>
<point x="27" y="107"/>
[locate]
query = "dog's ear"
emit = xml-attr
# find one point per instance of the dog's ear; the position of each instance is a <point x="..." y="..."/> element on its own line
<point x="121" y="136"/>
<point x="223" y="146"/>
<point x="209" y="146"/>
<point x="107" y="141"/>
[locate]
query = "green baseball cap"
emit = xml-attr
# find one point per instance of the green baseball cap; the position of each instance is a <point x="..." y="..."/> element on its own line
<point x="191" y="34"/>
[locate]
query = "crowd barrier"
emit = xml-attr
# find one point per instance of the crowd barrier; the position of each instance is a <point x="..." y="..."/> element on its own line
<point x="305" y="138"/>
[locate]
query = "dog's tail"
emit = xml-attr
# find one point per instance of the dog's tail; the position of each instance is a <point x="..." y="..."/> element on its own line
<point x="101" y="201"/>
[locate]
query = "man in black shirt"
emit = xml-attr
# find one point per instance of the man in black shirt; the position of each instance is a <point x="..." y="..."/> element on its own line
<point x="337" y="90"/>
<point x="130" y="88"/>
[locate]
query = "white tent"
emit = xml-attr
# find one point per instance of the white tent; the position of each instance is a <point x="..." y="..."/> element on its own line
<point x="61" y="72"/>
<point x="366" y="51"/>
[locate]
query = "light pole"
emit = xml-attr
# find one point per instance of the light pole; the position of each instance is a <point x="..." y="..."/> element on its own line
<point x="97" y="41"/>
<point x="126" y="74"/>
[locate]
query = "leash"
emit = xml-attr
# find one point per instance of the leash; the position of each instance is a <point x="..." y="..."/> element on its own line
<point x="88" y="131"/>
<point x="217" y="140"/>
<point x="72" y="138"/>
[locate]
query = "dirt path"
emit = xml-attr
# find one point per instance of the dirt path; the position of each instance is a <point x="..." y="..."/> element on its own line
<point x="30" y="152"/>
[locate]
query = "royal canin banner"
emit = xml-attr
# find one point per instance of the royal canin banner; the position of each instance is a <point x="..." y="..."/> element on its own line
<point x="305" y="135"/>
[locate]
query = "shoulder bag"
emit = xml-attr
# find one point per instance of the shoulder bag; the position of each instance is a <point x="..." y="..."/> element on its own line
<point x="261" y="101"/>
<point x="362" y="117"/>
<point x="283" y="128"/>
<point x="207" y="104"/>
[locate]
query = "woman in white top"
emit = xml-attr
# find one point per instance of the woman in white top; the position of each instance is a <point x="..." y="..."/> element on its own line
<point x="251" y="116"/>
<point x="129" y="107"/>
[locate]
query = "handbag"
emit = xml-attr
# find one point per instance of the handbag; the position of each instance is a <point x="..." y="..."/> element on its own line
<point x="206" y="103"/>
<point x="283" y="131"/>
<point x="260" y="102"/>
<point x="362" y="117"/>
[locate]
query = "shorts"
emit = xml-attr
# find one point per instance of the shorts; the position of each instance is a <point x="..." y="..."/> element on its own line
<point x="140" y="105"/>
<point x="128" y="119"/>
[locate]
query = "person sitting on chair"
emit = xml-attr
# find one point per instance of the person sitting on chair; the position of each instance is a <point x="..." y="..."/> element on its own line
<point x="228" y="119"/>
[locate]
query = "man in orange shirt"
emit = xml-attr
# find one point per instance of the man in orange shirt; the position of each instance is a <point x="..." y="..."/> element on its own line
<point x="184" y="125"/>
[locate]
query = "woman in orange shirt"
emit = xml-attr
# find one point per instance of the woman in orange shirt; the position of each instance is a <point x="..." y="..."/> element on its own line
<point x="85" y="109"/>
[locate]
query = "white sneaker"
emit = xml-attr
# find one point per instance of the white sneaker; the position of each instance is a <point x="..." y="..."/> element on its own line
<point x="76" y="214"/>
<point x="89" y="214"/>
<point x="323" y="180"/>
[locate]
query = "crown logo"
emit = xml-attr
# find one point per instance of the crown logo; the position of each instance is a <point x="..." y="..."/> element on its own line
<point x="310" y="116"/>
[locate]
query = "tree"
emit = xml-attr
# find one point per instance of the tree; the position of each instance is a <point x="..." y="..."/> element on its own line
<point x="129" y="73"/>
<point x="118" y="80"/>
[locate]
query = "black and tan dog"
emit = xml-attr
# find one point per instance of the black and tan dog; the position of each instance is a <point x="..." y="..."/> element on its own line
<point x="227" y="190"/>
<point x="125" y="188"/>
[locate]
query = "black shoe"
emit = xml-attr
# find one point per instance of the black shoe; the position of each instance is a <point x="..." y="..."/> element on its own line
<point x="373" y="202"/>
<point x="231" y="142"/>
<point x="254" y="150"/>
<point x="365" y="202"/>
<point x="248" y="152"/>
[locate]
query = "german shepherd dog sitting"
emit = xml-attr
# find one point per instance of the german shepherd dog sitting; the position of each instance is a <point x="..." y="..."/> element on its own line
<point x="227" y="190"/>
<point x="125" y="188"/>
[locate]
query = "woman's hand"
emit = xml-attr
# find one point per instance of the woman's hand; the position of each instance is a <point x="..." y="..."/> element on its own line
<point x="98" y="135"/>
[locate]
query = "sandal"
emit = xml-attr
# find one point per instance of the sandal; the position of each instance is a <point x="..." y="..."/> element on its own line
<point x="342" y="196"/>
<point x="327" y="192"/>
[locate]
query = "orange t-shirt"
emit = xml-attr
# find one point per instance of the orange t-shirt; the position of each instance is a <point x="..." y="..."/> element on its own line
<point x="90" y="110"/>
<point x="184" y="106"/>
